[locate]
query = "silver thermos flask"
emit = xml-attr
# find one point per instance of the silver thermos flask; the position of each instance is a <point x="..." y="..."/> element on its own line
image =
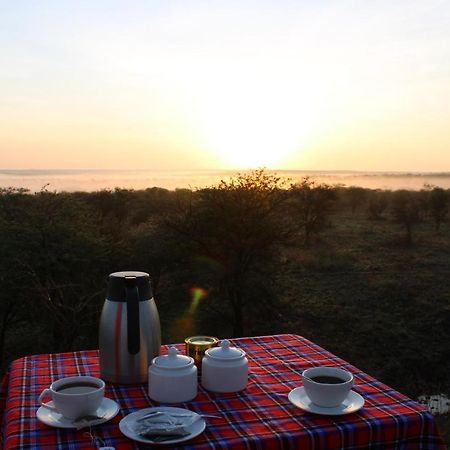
<point x="130" y="332"/>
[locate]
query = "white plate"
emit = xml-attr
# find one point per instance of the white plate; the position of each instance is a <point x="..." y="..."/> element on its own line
<point x="353" y="402"/>
<point x="107" y="410"/>
<point x="126" y="425"/>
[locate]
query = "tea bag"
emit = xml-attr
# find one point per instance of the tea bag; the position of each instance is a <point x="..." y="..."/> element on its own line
<point x="87" y="421"/>
<point x="165" y="424"/>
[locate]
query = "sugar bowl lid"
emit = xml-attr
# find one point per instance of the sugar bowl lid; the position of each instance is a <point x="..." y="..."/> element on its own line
<point x="173" y="360"/>
<point x="225" y="352"/>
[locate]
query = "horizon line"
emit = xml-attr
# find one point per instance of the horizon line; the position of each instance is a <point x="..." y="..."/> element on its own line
<point x="238" y="171"/>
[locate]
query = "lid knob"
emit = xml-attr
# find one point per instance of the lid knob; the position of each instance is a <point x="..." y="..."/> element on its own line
<point x="225" y="351"/>
<point x="173" y="360"/>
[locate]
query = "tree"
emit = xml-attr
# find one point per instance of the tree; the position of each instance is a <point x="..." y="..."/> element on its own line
<point x="438" y="205"/>
<point x="355" y="197"/>
<point x="237" y="225"/>
<point x="311" y="204"/>
<point x="155" y="249"/>
<point x="406" y="211"/>
<point x="52" y="245"/>
<point x="377" y="204"/>
<point x="13" y="202"/>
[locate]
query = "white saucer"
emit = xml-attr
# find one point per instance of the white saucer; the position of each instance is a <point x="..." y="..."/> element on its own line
<point x="354" y="402"/>
<point x="126" y="425"/>
<point x="107" y="410"/>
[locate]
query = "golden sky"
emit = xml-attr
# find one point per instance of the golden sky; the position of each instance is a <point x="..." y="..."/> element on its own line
<point x="181" y="84"/>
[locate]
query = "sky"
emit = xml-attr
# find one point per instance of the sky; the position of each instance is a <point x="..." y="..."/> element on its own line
<point x="187" y="84"/>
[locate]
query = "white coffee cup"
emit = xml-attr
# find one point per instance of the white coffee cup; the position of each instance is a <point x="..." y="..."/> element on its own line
<point x="74" y="397"/>
<point x="327" y="386"/>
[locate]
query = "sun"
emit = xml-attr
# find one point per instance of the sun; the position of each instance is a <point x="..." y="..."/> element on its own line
<point x="248" y="137"/>
<point x="250" y="126"/>
<point x="253" y="114"/>
<point x="246" y="131"/>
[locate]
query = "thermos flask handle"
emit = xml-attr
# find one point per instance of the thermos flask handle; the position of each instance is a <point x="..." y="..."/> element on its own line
<point x="133" y="326"/>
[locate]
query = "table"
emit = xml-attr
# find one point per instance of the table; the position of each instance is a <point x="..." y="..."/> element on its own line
<point x="260" y="417"/>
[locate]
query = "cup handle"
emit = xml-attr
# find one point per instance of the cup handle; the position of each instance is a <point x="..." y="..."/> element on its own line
<point x="41" y="400"/>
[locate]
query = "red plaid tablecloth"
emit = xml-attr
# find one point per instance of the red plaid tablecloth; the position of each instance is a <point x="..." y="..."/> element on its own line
<point x="260" y="417"/>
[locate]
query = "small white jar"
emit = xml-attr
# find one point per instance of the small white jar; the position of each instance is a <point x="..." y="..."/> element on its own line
<point x="172" y="378"/>
<point x="224" y="369"/>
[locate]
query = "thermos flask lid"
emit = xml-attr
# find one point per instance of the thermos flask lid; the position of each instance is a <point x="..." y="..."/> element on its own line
<point x="118" y="281"/>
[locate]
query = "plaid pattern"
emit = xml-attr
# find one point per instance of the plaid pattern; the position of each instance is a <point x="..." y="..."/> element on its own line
<point x="260" y="417"/>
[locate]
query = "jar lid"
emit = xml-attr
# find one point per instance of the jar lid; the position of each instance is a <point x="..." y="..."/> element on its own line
<point x="173" y="360"/>
<point x="201" y="340"/>
<point x="224" y="351"/>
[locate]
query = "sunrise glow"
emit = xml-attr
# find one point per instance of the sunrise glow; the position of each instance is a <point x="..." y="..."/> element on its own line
<point x="188" y="85"/>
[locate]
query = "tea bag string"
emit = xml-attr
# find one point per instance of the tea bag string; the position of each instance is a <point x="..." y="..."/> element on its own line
<point x="97" y="441"/>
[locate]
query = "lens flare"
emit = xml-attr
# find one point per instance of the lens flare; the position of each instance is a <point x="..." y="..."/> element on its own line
<point x="197" y="294"/>
<point x="185" y="325"/>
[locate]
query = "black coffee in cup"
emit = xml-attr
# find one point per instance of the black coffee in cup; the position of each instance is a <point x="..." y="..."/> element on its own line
<point x="73" y="397"/>
<point x="327" y="379"/>
<point x="77" y="387"/>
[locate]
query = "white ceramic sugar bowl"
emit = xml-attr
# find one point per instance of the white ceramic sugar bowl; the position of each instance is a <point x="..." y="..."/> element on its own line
<point x="172" y="378"/>
<point x="224" y="368"/>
